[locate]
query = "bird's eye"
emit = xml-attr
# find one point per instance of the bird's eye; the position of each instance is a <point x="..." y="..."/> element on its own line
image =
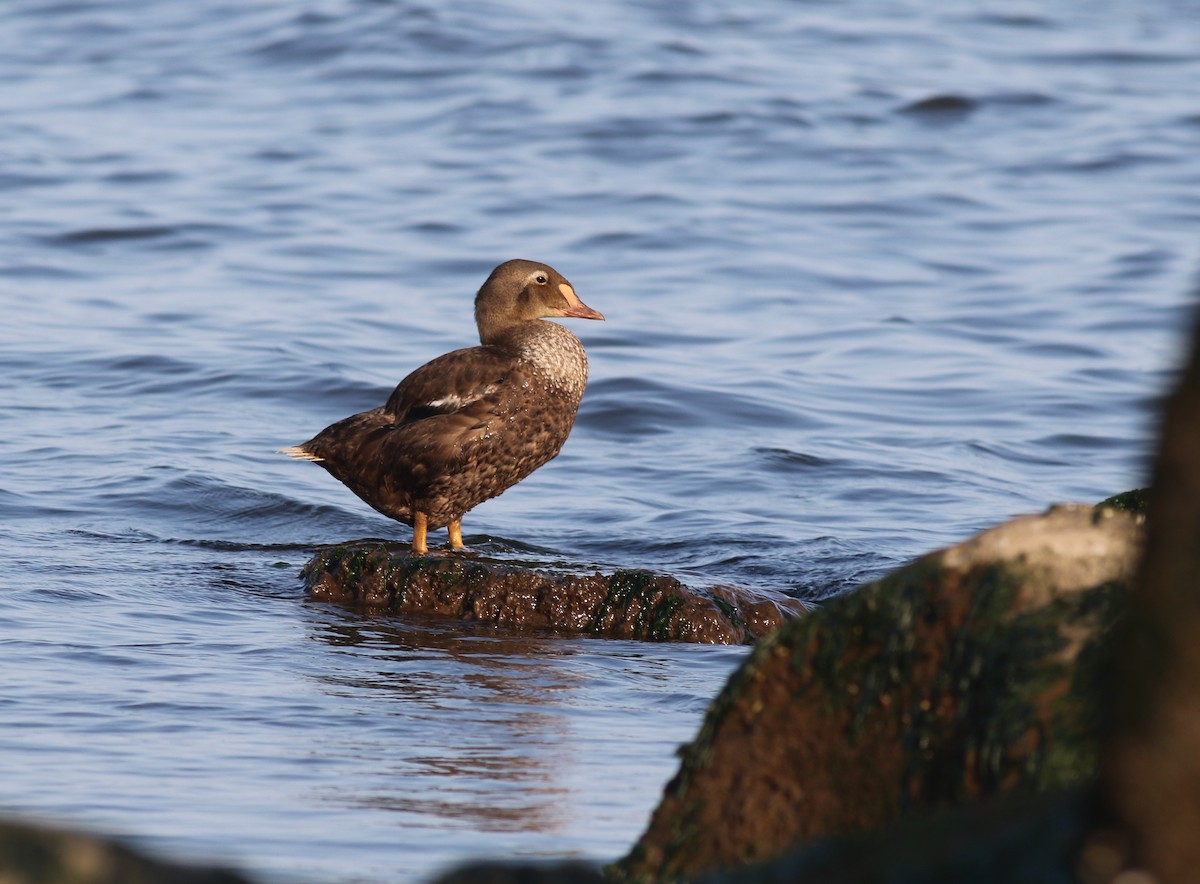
<point x="540" y="279"/>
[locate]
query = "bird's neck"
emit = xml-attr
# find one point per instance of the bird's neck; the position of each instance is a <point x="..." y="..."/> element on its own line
<point x="549" y="350"/>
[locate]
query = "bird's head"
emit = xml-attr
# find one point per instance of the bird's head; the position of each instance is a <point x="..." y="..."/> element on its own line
<point x="521" y="291"/>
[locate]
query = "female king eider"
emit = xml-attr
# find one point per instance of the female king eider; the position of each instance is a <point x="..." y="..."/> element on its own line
<point x="462" y="428"/>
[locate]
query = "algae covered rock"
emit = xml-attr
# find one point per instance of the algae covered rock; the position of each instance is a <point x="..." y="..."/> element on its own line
<point x="625" y="604"/>
<point x="971" y="673"/>
<point x="1134" y="501"/>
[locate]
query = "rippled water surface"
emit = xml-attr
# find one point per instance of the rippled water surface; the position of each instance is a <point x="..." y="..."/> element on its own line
<point x="878" y="274"/>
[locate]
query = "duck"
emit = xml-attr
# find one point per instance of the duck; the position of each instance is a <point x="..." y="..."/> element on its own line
<point x="468" y="425"/>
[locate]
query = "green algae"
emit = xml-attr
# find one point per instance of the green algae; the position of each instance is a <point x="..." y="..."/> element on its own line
<point x="1134" y="501"/>
<point x="732" y="614"/>
<point x="629" y="590"/>
<point x="354" y="567"/>
<point x="660" y="627"/>
<point x="978" y="725"/>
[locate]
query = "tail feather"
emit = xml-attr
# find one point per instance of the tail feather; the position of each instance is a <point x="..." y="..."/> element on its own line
<point x="300" y="452"/>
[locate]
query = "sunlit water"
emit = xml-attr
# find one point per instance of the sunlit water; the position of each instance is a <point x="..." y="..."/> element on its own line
<point x="877" y="275"/>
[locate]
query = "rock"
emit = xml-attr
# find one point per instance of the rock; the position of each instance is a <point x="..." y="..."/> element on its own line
<point x="972" y="673"/>
<point x="1017" y="840"/>
<point x="1152" y="761"/>
<point x="1008" y="842"/>
<point x="625" y="604"/>
<point x="523" y="873"/>
<point x="32" y="854"/>
<point x="944" y="108"/>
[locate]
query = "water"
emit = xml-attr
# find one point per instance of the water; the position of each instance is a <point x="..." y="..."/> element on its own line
<point x="877" y="275"/>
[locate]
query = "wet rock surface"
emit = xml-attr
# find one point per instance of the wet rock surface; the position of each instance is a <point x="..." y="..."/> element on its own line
<point x="973" y="673"/>
<point x="625" y="604"/>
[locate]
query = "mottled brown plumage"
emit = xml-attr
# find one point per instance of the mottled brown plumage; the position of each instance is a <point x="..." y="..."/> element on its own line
<point x="464" y="427"/>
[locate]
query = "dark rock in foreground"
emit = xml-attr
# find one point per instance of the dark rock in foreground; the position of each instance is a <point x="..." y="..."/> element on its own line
<point x="32" y="854"/>
<point x="625" y="604"/>
<point x="973" y="673"/>
<point x="1153" y="757"/>
<point x="523" y="873"/>
<point x="1014" y="841"/>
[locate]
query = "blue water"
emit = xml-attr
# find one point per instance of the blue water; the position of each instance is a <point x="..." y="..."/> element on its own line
<point x="877" y="275"/>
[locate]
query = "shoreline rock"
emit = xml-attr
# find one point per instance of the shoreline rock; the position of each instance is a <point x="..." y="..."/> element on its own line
<point x="31" y="853"/>
<point x="626" y="604"/>
<point x="973" y="673"/>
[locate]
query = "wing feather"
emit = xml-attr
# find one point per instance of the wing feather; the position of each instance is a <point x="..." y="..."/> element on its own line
<point x="449" y="384"/>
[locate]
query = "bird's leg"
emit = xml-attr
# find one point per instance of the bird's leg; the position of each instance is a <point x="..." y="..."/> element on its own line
<point x="420" y="529"/>
<point x="455" y="529"/>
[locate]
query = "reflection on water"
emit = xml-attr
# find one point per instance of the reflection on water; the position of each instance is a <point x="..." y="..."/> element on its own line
<point x="462" y="685"/>
<point x="535" y="733"/>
